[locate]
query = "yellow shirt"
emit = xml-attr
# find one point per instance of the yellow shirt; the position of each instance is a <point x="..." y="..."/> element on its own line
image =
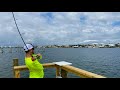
<point x="35" y="68"/>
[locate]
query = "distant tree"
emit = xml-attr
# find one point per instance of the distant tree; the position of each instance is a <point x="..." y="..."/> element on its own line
<point x="116" y="45"/>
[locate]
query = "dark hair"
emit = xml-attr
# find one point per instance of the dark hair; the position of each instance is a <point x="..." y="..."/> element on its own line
<point x="26" y="51"/>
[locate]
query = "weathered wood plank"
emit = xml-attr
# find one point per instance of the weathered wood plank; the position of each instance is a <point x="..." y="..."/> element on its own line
<point x="80" y="72"/>
<point x="24" y="67"/>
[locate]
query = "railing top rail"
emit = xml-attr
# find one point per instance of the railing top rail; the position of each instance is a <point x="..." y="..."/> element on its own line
<point x="68" y="68"/>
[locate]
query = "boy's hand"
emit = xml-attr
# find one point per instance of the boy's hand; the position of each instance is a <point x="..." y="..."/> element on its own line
<point x="39" y="56"/>
<point x="36" y="56"/>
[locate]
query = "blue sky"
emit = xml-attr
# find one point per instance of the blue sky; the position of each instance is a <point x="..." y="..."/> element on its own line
<point x="63" y="28"/>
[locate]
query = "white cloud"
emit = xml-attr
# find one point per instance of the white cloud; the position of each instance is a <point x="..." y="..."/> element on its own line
<point x="60" y="27"/>
<point x="90" y="41"/>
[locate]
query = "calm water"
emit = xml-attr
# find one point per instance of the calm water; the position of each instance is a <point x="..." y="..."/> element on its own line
<point x="103" y="61"/>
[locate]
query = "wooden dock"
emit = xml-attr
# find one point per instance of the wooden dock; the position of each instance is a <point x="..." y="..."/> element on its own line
<point x="61" y="71"/>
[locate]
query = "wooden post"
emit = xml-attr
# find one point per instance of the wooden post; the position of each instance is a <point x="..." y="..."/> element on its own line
<point x="15" y="62"/>
<point x="63" y="73"/>
<point x="16" y="73"/>
<point x="57" y="71"/>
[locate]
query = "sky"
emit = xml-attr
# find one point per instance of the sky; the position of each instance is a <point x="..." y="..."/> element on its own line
<point x="61" y="28"/>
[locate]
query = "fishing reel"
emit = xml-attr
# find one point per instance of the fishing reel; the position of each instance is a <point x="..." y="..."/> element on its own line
<point x="35" y="56"/>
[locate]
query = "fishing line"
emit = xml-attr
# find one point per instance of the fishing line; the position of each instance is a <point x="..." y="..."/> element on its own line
<point x="18" y="29"/>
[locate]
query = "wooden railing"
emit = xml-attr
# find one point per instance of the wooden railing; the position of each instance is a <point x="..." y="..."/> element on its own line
<point x="61" y="71"/>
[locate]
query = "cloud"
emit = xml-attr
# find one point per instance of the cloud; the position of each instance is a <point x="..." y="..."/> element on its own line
<point x="90" y="41"/>
<point x="45" y="28"/>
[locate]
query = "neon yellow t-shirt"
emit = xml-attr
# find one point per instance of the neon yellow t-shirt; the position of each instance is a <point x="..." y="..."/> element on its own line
<point x="35" y="68"/>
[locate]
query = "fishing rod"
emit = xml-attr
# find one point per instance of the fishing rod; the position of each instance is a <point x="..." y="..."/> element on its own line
<point x="22" y="37"/>
<point x="18" y="30"/>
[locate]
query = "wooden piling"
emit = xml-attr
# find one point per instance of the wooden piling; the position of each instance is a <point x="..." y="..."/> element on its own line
<point x="15" y="62"/>
<point x="57" y="71"/>
<point x="63" y="73"/>
<point x="16" y="72"/>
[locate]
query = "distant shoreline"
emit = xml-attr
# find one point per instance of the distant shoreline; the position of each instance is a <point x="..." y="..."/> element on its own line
<point x="95" y="45"/>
